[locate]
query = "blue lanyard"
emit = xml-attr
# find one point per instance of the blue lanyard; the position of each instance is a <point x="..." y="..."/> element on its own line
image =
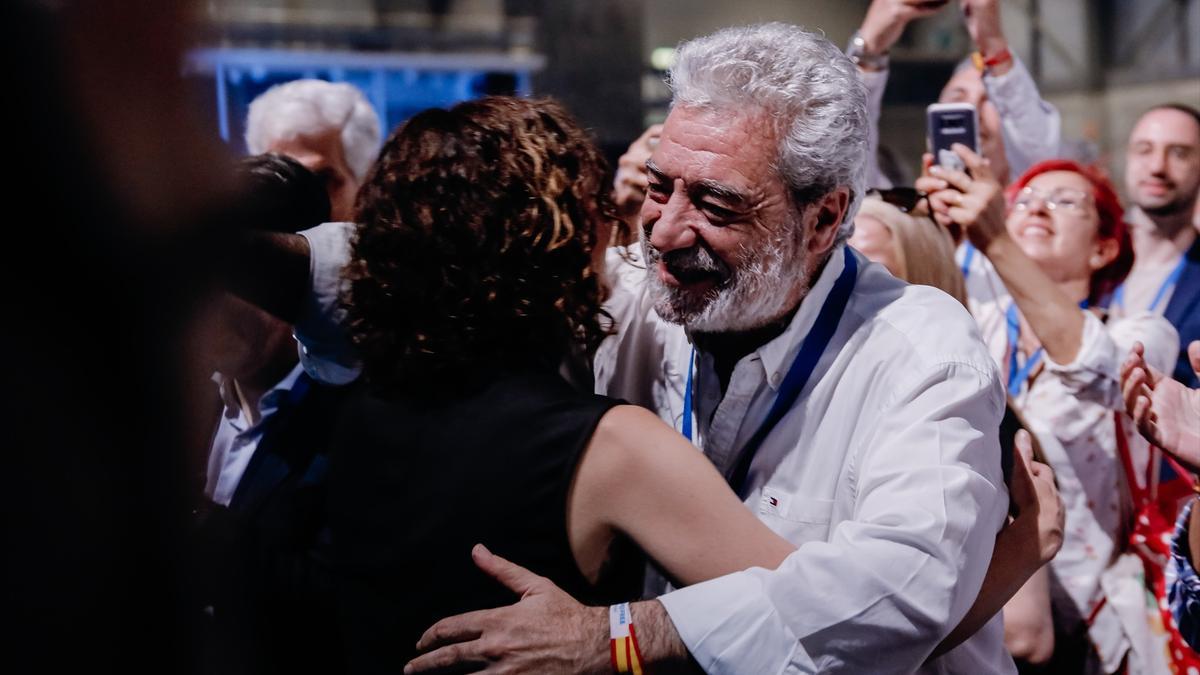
<point x="968" y="256"/>
<point x="798" y="374"/>
<point x="1017" y="376"/>
<point x="1167" y="284"/>
<point x="687" y="398"/>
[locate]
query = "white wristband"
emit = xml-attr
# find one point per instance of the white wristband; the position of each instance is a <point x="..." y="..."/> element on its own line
<point x="619" y="621"/>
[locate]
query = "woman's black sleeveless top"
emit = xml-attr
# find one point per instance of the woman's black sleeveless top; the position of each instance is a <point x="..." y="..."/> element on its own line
<point x="415" y="485"/>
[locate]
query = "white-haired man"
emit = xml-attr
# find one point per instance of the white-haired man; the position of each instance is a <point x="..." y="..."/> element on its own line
<point x="328" y="127"/>
<point x="857" y="416"/>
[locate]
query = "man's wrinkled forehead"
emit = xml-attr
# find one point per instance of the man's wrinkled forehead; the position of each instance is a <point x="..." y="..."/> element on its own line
<point x="735" y="148"/>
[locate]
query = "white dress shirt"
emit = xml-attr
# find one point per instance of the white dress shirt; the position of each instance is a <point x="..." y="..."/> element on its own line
<point x="236" y="439"/>
<point x="885" y="474"/>
<point x="1071" y="409"/>
<point x="1031" y="127"/>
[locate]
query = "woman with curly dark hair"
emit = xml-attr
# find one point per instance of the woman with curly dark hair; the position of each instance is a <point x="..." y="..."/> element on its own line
<point x="475" y="271"/>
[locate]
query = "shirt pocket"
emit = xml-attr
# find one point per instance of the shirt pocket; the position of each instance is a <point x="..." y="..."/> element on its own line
<point x="797" y="519"/>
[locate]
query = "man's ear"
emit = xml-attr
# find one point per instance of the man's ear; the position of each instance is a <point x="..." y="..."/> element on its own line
<point x="824" y="219"/>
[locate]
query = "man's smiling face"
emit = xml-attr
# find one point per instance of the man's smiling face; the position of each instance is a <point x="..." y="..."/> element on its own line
<point x="724" y="242"/>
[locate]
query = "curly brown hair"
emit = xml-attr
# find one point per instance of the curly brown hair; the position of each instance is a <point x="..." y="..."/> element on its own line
<point x="474" y="250"/>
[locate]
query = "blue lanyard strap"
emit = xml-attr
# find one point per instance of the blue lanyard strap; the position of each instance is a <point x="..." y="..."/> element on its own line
<point x="968" y="256"/>
<point x="686" y="426"/>
<point x="1017" y="376"/>
<point x="802" y="368"/>
<point x="1167" y="284"/>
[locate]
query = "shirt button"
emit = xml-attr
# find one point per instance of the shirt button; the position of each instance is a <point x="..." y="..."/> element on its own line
<point x="775" y="379"/>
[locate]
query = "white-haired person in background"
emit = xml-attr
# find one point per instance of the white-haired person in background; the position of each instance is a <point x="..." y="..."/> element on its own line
<point x="329" y="127"/>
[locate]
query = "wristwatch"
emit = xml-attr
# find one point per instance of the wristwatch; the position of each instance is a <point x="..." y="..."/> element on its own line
<point x="858" y="53"/>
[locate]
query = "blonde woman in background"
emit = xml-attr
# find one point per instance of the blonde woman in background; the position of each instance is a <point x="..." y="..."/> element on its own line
<point x="911" y="247"/>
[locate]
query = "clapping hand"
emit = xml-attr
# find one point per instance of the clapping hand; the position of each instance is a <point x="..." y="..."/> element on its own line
<point x="1166" y="412"/>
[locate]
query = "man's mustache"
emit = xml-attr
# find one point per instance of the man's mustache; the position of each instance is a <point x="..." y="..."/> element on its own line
<point x="692" y="264"/>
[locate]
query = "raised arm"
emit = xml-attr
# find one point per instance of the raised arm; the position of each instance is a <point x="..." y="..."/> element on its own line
<point x="882" y="26"/>
<point x="976" y="203"/>
<point x="298" y="278"/>
<point x="1031" y="127"/>
<point x="631" y="179"/>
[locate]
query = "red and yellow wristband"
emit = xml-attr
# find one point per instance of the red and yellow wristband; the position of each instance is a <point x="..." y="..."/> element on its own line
<point x="984" y="64"/>
<point x="626" y="657"/>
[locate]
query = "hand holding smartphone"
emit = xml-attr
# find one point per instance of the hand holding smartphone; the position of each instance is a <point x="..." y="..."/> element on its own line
<point x="947" y="124"/>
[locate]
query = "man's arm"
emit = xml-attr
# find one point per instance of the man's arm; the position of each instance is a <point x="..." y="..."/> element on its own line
<point x="547" y="631"/>
<point x="298" y="278"/>
<point x="270" y="269"/>
<point x="882" y="26"/>
<point x="1032" y="127"/>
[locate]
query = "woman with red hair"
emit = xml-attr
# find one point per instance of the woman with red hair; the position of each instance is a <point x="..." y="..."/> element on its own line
<point x="1058" y="240"/>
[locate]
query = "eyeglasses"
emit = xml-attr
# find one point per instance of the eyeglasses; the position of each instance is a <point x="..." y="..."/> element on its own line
<point x="903" y="198"/>
<point x="1069" y="200"/>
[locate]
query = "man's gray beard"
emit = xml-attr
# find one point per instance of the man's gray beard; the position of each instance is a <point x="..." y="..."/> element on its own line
<point x="757" y="293"/>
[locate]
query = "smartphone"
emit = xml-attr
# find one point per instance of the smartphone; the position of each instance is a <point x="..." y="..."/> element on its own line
<point x="947" y="124"/>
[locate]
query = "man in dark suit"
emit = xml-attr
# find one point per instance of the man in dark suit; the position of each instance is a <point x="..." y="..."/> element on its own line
<point x="1162" y="180"/>
<point x="262" y="581"/>
<point x="1184" y="312"/>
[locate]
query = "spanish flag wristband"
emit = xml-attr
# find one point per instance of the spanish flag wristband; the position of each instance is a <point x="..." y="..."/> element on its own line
<point x="984" y="64"/>
<point x="626" y="657"/>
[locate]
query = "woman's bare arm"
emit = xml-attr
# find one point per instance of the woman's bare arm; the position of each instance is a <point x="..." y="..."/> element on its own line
<point x="1028" y="621"/>
<point x="976" y="203"/>
<point x="641" y="478"/>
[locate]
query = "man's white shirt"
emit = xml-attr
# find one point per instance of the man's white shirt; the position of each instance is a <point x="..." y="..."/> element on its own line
<point x="885" y="474"/>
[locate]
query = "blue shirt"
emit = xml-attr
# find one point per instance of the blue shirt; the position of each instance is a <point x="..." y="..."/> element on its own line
<point x="236" y="438"/>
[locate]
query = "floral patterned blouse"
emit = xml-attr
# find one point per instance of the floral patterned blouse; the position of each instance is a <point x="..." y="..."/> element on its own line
<point x="1070" y="408"/>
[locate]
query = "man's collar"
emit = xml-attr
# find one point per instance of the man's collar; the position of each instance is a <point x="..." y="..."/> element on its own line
<point x="777" y="354"/>
<point x="270" y="398"/>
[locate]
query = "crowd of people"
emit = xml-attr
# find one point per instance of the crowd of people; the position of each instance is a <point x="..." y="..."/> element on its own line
<point x="743" y="403"/>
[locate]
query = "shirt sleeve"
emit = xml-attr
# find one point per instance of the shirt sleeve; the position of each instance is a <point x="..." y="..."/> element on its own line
<point x="1031" y="127"/>
<point x="892" y="580"/>
<point x="876" y="83"/>
<point x="1183" y="587"/>
<point x="1094" y="375"/>
<point x="325" y="349"/>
